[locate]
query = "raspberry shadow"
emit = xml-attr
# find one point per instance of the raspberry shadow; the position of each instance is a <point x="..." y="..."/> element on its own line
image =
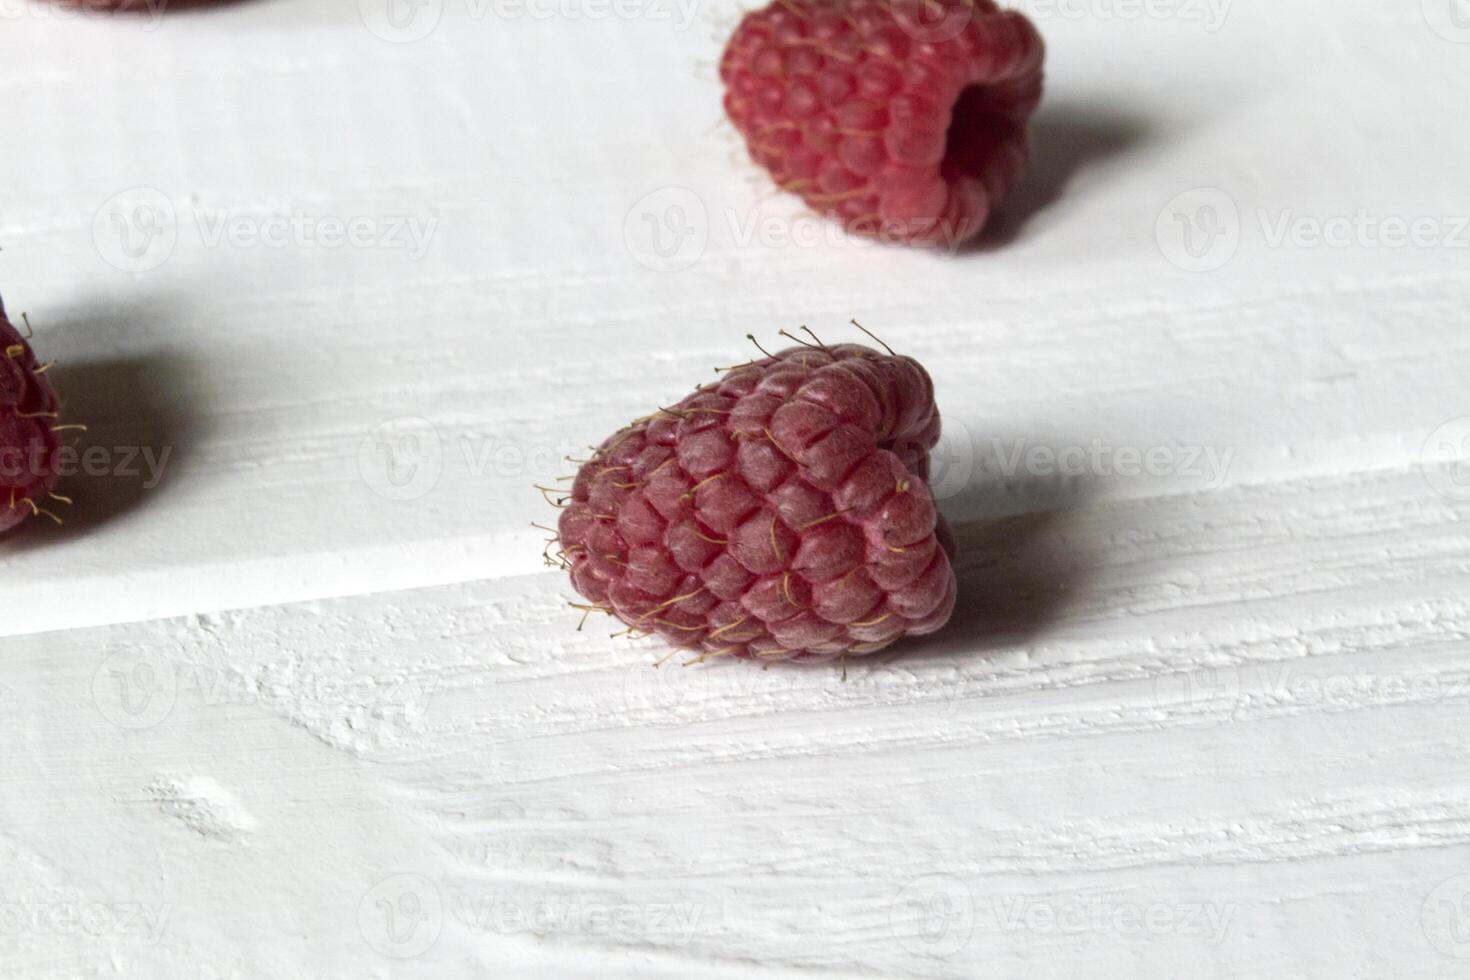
<point x="137" y="407"/>
<point x="1017" y="566"/>
<point x="1066" y="139"/>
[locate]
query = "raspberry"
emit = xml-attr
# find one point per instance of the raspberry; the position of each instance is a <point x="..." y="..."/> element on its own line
<point x="28" y="441"/>
<point x="902" y="119"/>
<point x="781" y="514"/>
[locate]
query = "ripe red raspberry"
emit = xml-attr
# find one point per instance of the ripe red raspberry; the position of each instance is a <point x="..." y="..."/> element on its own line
<point x="28" y="441"/>
<point x="780" y="514"/>
<point x="902" y="119"/>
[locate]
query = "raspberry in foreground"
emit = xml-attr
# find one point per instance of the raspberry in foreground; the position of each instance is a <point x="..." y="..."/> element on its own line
<point x="782" y="513"/>
<point x="904" y="120"/>
<point x="28" y="430"/>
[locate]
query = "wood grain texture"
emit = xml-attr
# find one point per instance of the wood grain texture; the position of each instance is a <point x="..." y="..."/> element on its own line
<point x="1213" y="728"/>
<point x="298" y="698"/>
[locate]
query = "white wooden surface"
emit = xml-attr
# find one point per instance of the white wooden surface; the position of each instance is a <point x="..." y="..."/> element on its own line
<point x="310" y="706"/>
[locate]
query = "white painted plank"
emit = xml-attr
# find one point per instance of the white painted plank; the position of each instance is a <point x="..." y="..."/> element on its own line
<point x="1191" y="735"/>
<point x="528" y="323"/>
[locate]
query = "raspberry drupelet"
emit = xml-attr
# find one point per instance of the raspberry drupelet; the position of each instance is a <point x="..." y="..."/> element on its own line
<point x="904" y="120"/>
<point x="782" y="513"/>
